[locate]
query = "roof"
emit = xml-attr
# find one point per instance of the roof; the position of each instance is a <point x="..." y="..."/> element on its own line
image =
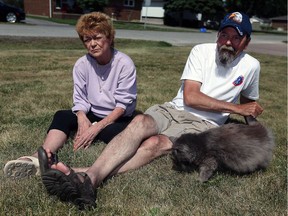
<point x="282" y="18"/>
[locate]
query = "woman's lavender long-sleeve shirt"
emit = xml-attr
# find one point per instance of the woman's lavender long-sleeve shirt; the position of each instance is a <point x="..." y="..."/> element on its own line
<point x="102" y="88"/>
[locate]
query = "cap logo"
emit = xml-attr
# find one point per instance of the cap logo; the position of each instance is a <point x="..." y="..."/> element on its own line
<point x="236" y="17"/>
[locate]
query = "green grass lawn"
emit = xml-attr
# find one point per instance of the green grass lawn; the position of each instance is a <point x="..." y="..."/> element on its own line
<point x="36" y="81"/>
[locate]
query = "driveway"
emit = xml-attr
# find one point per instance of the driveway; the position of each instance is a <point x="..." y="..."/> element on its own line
<point x="261" y="43"/>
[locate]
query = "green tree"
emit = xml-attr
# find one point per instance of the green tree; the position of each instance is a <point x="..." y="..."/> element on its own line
<point x="92" y="5"/>
<point x="212" y="9"/>
<point x="260" y="8"/>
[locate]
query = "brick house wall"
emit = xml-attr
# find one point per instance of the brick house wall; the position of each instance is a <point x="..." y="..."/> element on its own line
<point x="37" y="7"/>
<point x="116" y="9"/>
<point x="279" y="22"/>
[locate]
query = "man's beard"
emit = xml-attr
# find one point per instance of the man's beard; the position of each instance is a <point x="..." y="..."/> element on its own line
<point x="225" y="54"/>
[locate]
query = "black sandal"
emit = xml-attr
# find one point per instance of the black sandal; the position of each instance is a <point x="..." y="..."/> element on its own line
<point x="87" y="194"/>
<point x="60" y="185"/>
<point x="44" y="161"/>
<point x="68" y="188"/>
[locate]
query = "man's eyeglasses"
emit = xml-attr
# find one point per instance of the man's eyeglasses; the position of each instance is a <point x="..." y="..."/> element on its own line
<point x="235" y="39"/>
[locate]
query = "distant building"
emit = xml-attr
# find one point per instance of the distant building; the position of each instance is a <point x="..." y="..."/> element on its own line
<point x="259" y="24"/>
<point x="279" y="23"/>
<point x="152" y="11"/>
<point x="124" y="10"/>
<point x="39" y="7"/>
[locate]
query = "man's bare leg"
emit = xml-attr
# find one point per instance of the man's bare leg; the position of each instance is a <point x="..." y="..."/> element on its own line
<point x="120" y="150"/>
<point x="149" y="150"/>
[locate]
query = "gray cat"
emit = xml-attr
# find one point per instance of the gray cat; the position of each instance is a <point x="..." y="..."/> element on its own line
<point x="237" y="147"/>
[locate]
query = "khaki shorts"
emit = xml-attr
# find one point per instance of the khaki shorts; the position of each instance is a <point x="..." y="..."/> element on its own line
<point x="173" y="123"/>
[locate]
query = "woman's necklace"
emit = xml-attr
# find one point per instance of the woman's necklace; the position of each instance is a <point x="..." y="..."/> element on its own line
<point x="101" y="76"/>
<point x="102" y="70"/>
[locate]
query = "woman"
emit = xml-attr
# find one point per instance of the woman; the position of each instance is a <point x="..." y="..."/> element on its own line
<point x="104" y="97"/>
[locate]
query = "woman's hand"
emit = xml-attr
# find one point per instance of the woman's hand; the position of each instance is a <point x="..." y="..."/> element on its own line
<point x="86" y="138"/>
<point x="83" y="126"/>
<point x="87" y="132"/>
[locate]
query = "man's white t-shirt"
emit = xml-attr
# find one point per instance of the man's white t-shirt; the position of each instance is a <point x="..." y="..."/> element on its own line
<point x="219" y="82"/>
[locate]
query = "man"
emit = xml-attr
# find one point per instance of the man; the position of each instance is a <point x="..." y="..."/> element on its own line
<point x="215" y="78"/>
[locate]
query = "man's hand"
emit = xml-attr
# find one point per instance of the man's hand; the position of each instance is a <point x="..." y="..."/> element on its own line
<point x="249" y="109"/>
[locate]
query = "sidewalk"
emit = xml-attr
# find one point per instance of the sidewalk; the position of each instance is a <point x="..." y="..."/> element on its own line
<point x="260" y="43"/>
<point x="32" y="21"/>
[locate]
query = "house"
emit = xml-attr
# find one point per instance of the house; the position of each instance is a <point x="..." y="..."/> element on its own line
<point x="259" y="24"/>
<point x="124" y="10"/>
<point x="279" y="23"/>
<point x="39" y="7"/>
<point x="129" y="10"/>
<point x="152" y="11"/>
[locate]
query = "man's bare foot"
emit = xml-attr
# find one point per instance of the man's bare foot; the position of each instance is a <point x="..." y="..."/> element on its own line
<point x="65" y="183"/>
<point x="61" y="166"/>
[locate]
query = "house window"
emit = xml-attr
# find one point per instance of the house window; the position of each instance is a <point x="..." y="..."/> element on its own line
<point x="129" y="3"/>
<point x="58" y="4"/>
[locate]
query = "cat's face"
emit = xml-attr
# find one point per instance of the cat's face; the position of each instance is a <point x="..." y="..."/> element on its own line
<point x="183" y="158"/>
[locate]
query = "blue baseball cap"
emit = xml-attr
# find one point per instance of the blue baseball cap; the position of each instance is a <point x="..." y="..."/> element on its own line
<point x="239" y="21"/>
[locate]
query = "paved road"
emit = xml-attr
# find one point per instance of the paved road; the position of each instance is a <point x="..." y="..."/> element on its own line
<point x="261" y="43"/>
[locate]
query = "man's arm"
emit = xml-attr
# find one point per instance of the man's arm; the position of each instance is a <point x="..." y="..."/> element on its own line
<point x="194" y="98"/>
